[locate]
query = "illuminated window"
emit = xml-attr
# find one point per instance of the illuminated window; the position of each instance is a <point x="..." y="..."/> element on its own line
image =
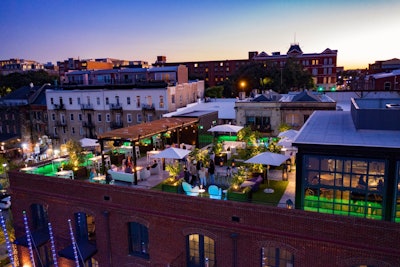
<point x="161" y="101"/>
<point x="200" y="250"/>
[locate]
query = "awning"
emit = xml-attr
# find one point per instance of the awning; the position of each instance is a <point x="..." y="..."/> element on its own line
<point x="85" y="249"/>
<point x="148" y="129"/>
<point x="39" y="238"/>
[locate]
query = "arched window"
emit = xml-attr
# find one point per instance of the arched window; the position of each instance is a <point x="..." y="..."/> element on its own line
<point x="200" y="251"/>
<point x="276" y="257"/>
<point x="138" y="240"/>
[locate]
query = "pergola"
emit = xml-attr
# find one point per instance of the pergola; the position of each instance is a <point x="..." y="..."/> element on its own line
<point x="133" y="134"/>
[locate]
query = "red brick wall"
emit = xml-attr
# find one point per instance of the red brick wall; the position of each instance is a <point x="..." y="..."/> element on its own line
<point x="315" y="239"/>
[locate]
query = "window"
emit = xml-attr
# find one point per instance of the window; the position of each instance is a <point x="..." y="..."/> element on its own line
<point x="200" y="250"/>
<point x="149" y="117"/>
<point x="52" y="101"/>
<point x="99" y="117"/>
<point x="138" y="240"/>
<point x="173" y="99"/>
<point x="98" y="101"/>
<point x="397" y="211"/>
<point x="107" y="101"/>
<point x="53" y="117"/>
<point x="138" y="101"/>
<point x="129" y="118"/>
<point x="388" y="86"/>
<point x="161" y="101"/>
<point x="108" y="118"/>
<point x="78" y="100"/>
<point x="128" y="100"/>
<point x="70" y="100"/>
<point x="73" y="130"/>
<point x="345" y="186"/>
<point x="139" y="118"/>
<point x="71" y="116"/>
<point x="259" y="123"/>
<point x="80" y="118"/>
<point x="276" y="257"/>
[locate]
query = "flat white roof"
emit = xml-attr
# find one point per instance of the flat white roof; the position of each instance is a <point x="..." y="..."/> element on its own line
<point x="224" y="106"/>
<point x="337" y="128"/>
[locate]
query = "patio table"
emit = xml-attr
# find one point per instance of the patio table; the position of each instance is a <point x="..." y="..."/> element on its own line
<point x="65" y="174"/>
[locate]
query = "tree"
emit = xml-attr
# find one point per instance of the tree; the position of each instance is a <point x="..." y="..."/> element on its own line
<point x="15" y="80"/>
<point x="256" y="75"/>
<point x="214" y="92"/>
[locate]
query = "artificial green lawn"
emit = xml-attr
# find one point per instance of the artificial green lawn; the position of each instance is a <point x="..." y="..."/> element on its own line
<point x="259" y="196"/>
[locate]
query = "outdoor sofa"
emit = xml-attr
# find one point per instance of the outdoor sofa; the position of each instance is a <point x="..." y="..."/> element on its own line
<point x="122" y="176"/>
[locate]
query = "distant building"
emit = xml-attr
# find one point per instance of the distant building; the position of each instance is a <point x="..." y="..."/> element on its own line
<point x="322" y="66"/>
<point x="19" y="65"/>
<point x="384" y="81"/>
<point x="267" y="111"/>
<point x="23" y="118"/>
<point x="384" y="66"/>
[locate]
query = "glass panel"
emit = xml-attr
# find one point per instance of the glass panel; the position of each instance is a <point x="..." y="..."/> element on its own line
<point x="354" y="187"/>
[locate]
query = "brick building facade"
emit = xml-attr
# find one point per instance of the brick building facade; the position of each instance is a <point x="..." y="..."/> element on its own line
<point x="232" y="233"/>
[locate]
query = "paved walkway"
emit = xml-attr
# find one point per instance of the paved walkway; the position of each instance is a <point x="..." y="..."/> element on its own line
<point x="290" y="189"/>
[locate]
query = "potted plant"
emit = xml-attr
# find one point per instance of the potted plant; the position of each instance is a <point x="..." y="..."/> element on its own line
<point x="237" y="193"/>
<point x="76" y="159"/>
<point x="173" y="183"/>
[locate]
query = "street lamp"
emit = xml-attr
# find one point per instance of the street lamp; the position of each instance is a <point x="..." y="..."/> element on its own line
<point x="242" y="93"/>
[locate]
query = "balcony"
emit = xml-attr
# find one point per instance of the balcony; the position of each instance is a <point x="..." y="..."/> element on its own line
<point x="59" y="106"/>
<point x="87" y="107"/>
<point x="116" y="125"/>
<point x="53" y="136"/>
<point x="116" y="106"/>
<point x="88" y="124"/>
<point x="149" y="107"/>
<point x="61" y="123"/>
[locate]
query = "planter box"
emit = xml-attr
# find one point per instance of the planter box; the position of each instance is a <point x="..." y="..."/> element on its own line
<point x="81" y="173"/>
<point x="172" y="188"/>
<point x="239" y="196"/>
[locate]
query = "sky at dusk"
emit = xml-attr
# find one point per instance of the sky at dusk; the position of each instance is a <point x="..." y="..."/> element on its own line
<point x="362" y="31"/>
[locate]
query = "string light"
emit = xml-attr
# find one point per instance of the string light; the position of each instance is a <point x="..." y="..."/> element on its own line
<point x="28" y="238"/>
<point x="7" y="238"/>
<point x="53" y="247"/>
<point x="73" y="244"/>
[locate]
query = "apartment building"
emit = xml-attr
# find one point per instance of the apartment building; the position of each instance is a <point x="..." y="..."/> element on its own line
<point x="23" y="119"/>
<point x="74" y="114"/>
<point x="322" y="66"/>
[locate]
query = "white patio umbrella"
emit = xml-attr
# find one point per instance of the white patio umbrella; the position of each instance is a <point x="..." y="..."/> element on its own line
<point x="290" y="134"/>
<point x="172" y="153"/>
<point x="88" y="142"/>
<point x="268" y="158"/>
<point x="226" y="128"/>
<point x="285" y="142"/>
